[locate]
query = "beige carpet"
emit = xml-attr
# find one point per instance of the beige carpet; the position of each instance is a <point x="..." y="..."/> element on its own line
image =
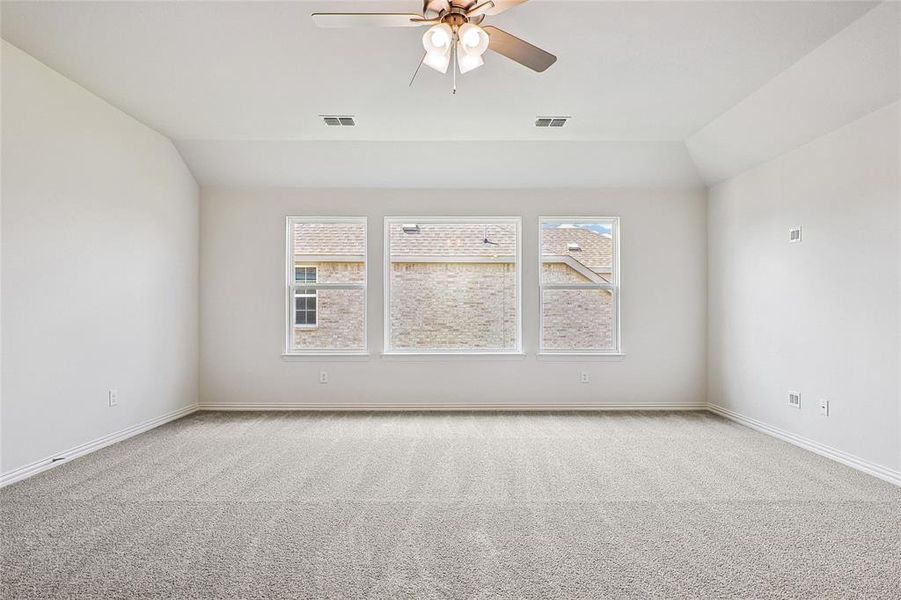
<point x="522" y="505"/>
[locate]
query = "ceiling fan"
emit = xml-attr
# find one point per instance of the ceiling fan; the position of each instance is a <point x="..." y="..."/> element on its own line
<point x="454" y="33"/>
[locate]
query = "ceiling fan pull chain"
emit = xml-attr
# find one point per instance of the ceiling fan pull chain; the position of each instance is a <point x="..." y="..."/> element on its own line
<point x="454" y="42"/>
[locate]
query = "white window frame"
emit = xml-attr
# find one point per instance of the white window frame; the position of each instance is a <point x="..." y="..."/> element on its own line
<point x="614" y="287"/>
<point x="389" y="221"/>
<point x="304" y="292"/>
<point x="292" y="287"/>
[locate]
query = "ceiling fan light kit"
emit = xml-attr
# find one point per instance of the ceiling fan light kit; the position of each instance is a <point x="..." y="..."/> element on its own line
<point x="469" y="42"/>
<point x="454" y="32"/>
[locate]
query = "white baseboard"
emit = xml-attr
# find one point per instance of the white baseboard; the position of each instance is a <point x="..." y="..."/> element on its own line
<point x="855" y="462"/>
<point x="446" y="407"/>
<point x="65" y="456"/>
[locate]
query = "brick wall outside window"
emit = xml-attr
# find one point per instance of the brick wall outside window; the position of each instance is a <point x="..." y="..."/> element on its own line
<point x="340" y="312"/>
<point x="453" y="306"/>
<point x="458" y="305"/>
<point x="575" y="319"/>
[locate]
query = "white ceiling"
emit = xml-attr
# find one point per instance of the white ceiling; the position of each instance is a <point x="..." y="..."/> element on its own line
<point x="237" y="83"/>
<point x="464" y="164"/>
<point x="854" y="73"/>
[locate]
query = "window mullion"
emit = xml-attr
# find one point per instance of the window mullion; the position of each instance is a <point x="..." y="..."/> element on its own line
<point x="578" y="286"/>
<point x="327" y="286"/>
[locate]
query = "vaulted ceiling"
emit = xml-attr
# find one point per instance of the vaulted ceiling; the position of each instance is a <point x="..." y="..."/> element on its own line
<point x="239" y="87"/>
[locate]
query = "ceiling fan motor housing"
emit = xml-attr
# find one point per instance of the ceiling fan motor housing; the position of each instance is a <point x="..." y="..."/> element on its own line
<point x="452" y="12"/>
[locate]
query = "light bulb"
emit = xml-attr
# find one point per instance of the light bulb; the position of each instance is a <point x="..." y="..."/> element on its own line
<point x="437" y="39"/>
<point x="466" y="61"/>
<point x="473" y="38"/>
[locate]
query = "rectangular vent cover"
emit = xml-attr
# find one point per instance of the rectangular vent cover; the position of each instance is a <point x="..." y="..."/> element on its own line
<point x="339" y="120"/>
<point x="551" y="121"/>
<point x="794" y="235"/>
<point x="794" y="399"/>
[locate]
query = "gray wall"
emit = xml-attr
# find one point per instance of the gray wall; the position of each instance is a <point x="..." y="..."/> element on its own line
<point x="99" y="272"/>
<point x="820" y="317"/>
<point x="243" y="311"/>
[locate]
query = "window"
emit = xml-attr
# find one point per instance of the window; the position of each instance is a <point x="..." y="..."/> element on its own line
<point x="326" y="285"/>
<point x="304" y="274"/>
<point x="579" y="285"/>
<point x="305" y="298"/>
<point x="452" y="285"/>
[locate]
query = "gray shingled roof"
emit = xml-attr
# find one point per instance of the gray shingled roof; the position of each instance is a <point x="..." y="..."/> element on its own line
<point x="597" y="249"/>
<point x="329" y="239"/>
<point x="453" y="239"/>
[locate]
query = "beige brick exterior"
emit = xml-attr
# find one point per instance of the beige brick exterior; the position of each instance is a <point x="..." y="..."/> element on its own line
<point x="340" y="313"/>
<point x="450" y="306"/>
<point x="575" y="319"/>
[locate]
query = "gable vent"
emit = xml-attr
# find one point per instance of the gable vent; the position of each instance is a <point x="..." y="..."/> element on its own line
<point x="339" y="120"/>
<point x="551" y="121"/>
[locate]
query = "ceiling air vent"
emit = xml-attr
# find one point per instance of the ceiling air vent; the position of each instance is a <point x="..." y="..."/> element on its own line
<point x="339" y="120"/>
<point x="551" y="121"/>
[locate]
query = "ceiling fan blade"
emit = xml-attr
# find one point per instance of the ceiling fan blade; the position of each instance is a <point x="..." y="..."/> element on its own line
<point x="432" y="8"/>
<point x="519" y="50"/>
<point x="501" y="6"/>
<point x="329" y="20"/>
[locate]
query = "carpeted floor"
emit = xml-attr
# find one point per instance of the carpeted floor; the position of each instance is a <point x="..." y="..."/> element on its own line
<point x="413" y="505"/>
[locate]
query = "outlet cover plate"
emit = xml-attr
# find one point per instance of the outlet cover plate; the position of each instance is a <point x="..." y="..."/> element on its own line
<point x="794" y="399"/>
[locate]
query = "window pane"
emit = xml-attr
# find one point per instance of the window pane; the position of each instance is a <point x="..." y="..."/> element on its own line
<point x="577" y="252"/>
<point x="582" y="319"/>
<point x="338" y="316"/>
<point x="327" y="252"/>
<point x="305" y="275"/>
<point x="453" y="286"/>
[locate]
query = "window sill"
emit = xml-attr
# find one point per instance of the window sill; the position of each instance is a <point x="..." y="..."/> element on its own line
<point x="324" y="356"/>
<point x="581" y="356"/>
<point x="440" y="356"/>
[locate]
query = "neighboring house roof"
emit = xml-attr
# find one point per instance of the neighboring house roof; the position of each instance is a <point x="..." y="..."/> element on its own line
<point x="329" y="239"/>
<point x="455" y="240"/>
<point x="344" y="241"/>
<point x="596" y="250"/>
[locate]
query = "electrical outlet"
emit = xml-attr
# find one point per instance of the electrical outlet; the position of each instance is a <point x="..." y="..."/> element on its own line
<point x="113" y="397"/>
<point x="323" y="376"/>
<point x="583" y="377"/>
<point x="824" y="408"/>
<point x="794" y="399"/>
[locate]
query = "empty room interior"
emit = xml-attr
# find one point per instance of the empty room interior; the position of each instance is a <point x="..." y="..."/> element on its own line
<point x="450" y="299"/>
